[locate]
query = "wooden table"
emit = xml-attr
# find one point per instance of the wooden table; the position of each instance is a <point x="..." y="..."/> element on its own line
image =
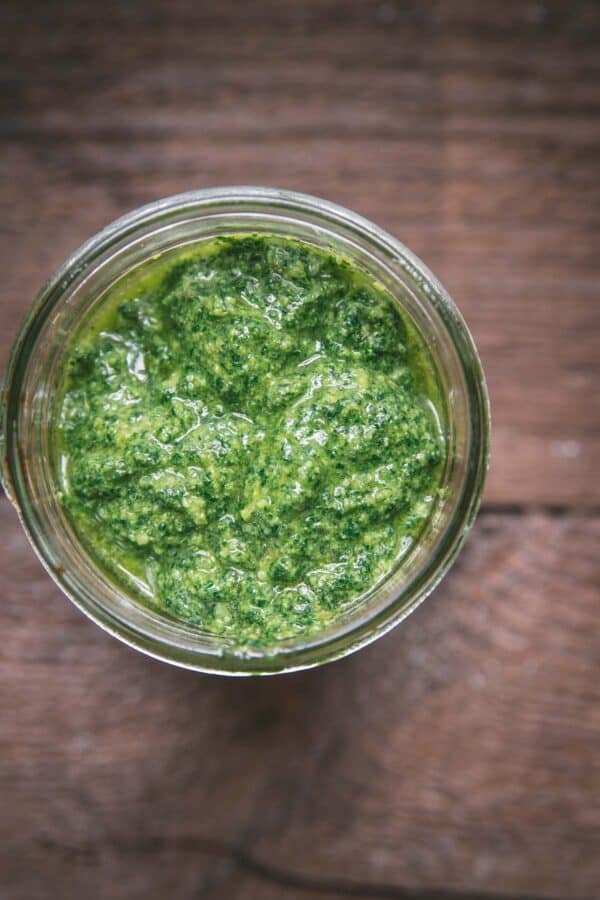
<point x="462" y="752"/>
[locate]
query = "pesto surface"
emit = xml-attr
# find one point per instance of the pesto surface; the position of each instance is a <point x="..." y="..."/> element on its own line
<point x="249" y="435"/>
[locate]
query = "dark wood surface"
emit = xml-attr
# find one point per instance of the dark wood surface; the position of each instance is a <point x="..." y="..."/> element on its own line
<point x="461" y="752"/>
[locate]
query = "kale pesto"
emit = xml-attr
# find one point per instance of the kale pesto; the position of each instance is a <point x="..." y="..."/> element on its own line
<point x="250" y="437"/>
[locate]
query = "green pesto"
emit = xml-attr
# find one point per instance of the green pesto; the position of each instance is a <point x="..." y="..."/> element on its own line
<point x="249" y="436"/>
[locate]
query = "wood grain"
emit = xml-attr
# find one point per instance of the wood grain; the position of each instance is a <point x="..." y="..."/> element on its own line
<point x="462" y="751"/>
<point x="459" y="752"/>
<point x="472" y="134"/>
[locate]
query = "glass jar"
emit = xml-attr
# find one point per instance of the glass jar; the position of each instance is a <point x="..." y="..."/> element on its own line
<point x="31" y="389"/>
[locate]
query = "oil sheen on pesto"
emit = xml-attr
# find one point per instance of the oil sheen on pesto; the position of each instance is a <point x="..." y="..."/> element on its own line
<point x="249" y="437"/>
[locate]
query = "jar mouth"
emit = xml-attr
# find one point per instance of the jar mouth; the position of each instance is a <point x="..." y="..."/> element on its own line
<point x="153" y="230"/>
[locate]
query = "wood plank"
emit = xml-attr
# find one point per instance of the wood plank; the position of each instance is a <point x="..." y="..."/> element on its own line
<point x="483" y="160"/>
<point x="461" y="751"/>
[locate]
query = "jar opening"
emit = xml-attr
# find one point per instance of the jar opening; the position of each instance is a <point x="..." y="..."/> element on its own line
<point x="148" y="236"/>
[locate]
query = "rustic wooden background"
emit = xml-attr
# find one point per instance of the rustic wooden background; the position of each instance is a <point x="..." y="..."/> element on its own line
<point x="462" y="752"/>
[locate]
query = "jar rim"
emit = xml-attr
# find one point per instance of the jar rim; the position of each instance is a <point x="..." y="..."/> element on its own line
<point x="319" y="647"/>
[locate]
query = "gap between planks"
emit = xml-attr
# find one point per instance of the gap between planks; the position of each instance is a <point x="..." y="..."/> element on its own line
<point x="245" y="862"/>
